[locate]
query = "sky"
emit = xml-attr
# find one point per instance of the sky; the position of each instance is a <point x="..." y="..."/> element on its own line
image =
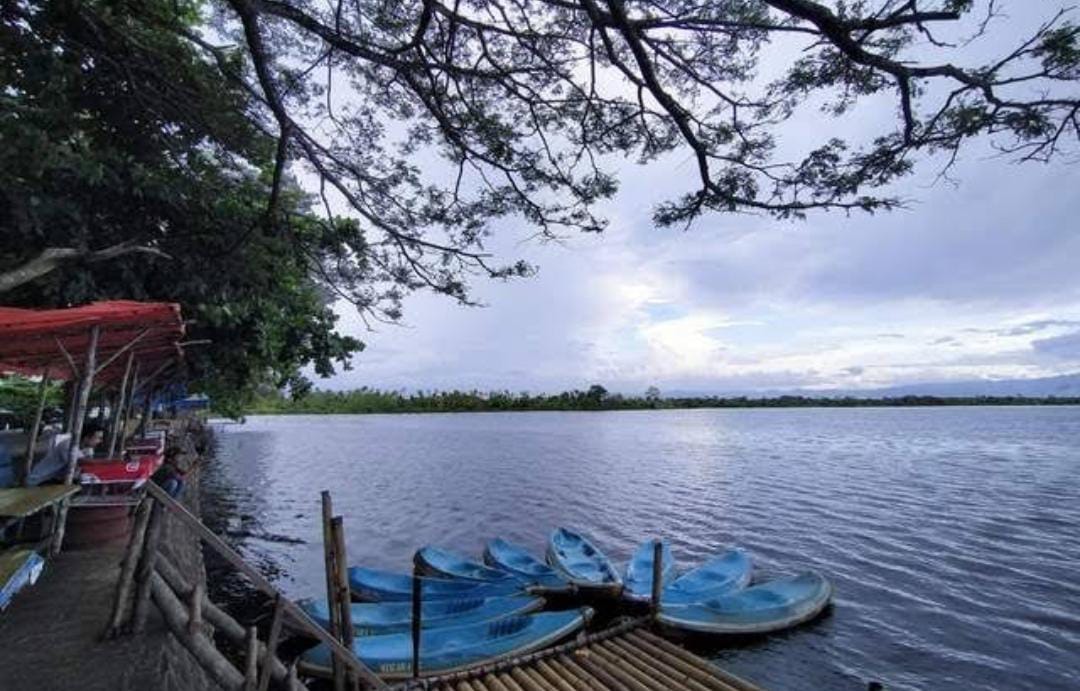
<point x="977" y="279"/>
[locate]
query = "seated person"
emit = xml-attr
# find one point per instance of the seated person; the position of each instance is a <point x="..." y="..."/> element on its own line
<point x="53" y="466"/>
<point x="170" y="476"/>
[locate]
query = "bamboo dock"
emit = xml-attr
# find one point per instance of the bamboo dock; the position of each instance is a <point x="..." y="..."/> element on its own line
<point x="627" y="657"/>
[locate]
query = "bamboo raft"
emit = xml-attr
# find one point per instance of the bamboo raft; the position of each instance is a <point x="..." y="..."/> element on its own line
<point x="627" y="657"/>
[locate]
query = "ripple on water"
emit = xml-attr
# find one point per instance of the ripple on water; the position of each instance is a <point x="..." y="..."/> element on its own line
<point x="952" y="535"/>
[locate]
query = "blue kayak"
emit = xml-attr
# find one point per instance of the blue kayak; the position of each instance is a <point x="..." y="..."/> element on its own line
<point x="763" y="608"/>
<point x="726" y="573"/>
<point x="639" y="571"/>
<point x="376" y="618"/>
<point x="455" y="648"/>
<point x="580" y="562"/>
<point x="504" y="555"/>
<point x="19" y="568"/>
<point x="386" y="586"/>
<point x="443" y="563"/>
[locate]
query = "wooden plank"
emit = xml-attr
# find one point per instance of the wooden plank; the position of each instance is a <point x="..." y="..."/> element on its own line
<point x="333" y="604"/>
<point x="693" y="665"/>
<point x="78" y="418"/>
<point x="126" y="581"/>
<point x="652" y="665"/>
<point x="175" y="615"/>
<point x="145" y="569"/>
<point x="272" y="643"/>
<point x="297" y="615"/>
<point x="20" y="502"/>
<point x="35" y="429"/>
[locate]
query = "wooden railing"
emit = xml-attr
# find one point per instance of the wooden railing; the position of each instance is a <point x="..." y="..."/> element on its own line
<point x="146" y="573"/>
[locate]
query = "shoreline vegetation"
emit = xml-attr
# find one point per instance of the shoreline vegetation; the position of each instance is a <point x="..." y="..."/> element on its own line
<point x="596" y="397"/>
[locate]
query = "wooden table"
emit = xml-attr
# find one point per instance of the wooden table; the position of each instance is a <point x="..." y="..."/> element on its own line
<point x="20" y="502"/>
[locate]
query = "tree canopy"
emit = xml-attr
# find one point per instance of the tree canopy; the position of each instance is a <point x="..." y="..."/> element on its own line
<point x="116" y="135"/>
<point x="171" y="138"/>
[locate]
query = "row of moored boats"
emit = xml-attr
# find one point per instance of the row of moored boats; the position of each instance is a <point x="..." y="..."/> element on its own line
<point x="475" y="612"/>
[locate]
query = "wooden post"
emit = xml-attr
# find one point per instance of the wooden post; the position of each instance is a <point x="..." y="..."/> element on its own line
<point x="121" y="405"/>
<point x="297" y="615"/>
<point x="272" y="643"/>
<point x="127" y="569"/>
<point x="35" y="429"/>
<point x="172" y="610"/>
<point x="251" y="669"/>
<point x="195" y="602"/>
<point x="344" y="596"/>
<point x="332" y="603"/>
<point x="417" y="611"/>
<point x="146" y="412"/>
<point x="292" y="681"/>
<point x="657" y="575"/>
<point x="71" y="395"/>
<point x="128" y="406"/>
<point x="145" y="570"/>
<point x="86" y="383"/>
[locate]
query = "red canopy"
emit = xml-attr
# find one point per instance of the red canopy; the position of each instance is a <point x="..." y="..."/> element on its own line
<point x="34" y="341"/>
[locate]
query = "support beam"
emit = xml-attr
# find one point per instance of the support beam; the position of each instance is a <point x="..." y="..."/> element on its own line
<point x="126" y="581"/>
<point x="78" y="412"/>
<point x="35" y="429"/>
<point x="199" y="645"/>
<point x="332" y="602"/>
<point x="296" y="615"/>
<point x="121" y="405"/>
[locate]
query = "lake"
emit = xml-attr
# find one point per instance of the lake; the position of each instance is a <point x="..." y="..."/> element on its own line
<point x="951" y="535"/>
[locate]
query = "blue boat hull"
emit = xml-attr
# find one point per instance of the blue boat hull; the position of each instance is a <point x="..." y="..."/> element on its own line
<point x="378" y="618"/>
<point x="639" y="571"/>
<point x="456" y="648"/>
<point x="764" y="608"/>
<point x="501" y="554"/>
<point x="374" y="585"/>
<point x="581" y="563"/>
<point x="441" y="563"/>
<point x="727" y="573"/>
<point x="25" y="575"/>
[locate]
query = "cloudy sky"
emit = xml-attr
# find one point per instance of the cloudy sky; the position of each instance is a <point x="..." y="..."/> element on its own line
<point x="971" y="281"/>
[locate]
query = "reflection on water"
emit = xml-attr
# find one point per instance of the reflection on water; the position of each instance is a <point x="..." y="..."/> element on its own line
<point x="952" y="535"/>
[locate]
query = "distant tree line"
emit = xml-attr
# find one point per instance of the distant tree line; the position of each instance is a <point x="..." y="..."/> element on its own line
<point x="596" y="397"/>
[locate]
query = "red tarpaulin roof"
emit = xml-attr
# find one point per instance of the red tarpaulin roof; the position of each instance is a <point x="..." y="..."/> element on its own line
<point x="30" y="339"/>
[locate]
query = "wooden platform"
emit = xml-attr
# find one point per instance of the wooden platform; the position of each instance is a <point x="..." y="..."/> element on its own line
<point x="625" y="658"/>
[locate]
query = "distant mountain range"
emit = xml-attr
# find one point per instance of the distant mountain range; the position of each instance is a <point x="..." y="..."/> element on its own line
<point x="1065" y="385"/>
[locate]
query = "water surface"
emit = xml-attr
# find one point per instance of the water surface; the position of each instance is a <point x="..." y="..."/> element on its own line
<point x="952" y="535"/>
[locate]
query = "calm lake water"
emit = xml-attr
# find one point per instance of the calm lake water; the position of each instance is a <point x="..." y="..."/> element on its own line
<point x="952" y="535"/>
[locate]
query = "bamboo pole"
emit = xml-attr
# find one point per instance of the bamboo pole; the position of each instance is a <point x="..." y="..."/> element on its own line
<point x="332" y="603"/>
<point x="199" y="645"/>
<point x="124" y="583"/>
<point x="145" y="571"/>
<point x="218" y="618"/>
<point x="130" y="404"/>
<point x="581" y="682"/>
<point x="342" y="590"/>
<point x="657" y="576"/>
<point x="417" y="616"/>
<point x="86" y="383"/>
<point x="547" y="672"/>
<point x="146" y="411"/>
<point x="121" y="404"/>
<point x="653" y="665"/>
<point x="195" y="609"/>
<point x="271" y="644"/>
<point x="251" y="659"/>
<point x="705" y="672"/>
<point x="301" y="618"/>
<point x="35" y="429"/>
